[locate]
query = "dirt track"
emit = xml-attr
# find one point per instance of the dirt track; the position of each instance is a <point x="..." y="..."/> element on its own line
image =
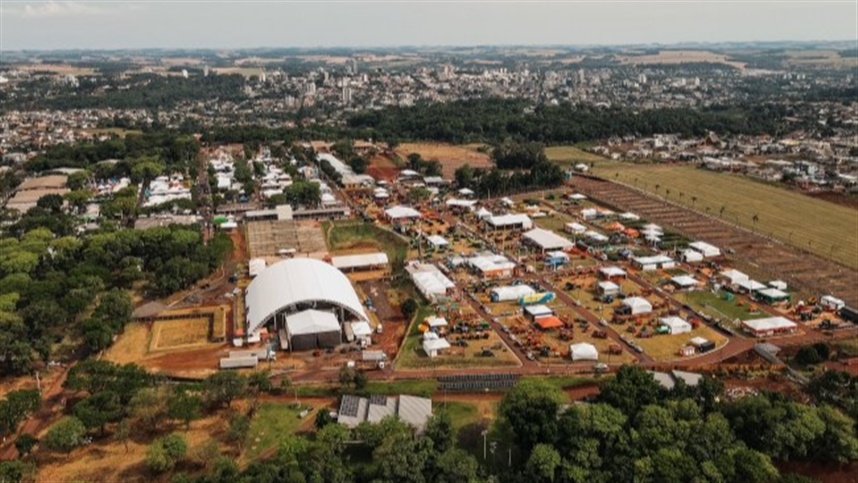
<point x="803" y="271"/>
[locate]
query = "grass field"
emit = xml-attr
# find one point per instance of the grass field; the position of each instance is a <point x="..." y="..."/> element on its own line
<point x="715" y="305"/>
<point x="666" y="347"/>
<point x="173" y="334"/>
<point x="823" y="228"/>
<point x="344" y="236"/>
<point x="461" y="413"/>
<point x="570" y="155"/>
<point x="272" y="423"/>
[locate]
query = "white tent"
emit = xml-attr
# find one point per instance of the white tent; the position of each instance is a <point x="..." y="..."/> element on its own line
<point x="611" y="272"/>
<point x="639" y="305"/>
<point x="676" y="325"/>
<point x="536" y="311"/>
<point x="506" y="293"/>
<point x="609" y="288"/>
<point x="401" y="212"/>
<point x="432" y="344"/>
<point x="311" y="322"/>
<point x="583" y="352"/>
<point x="691" y="256"/>
<point x="734" y="276"/>
<point x="437" y="241"/>
<point x="361" y="329"/>
<point x="706" y="249"/>
<point x="435" y="322"/>
<point x="684" y="281"/>
<point x="547" y="239"/>
<point x="575" y="228"/>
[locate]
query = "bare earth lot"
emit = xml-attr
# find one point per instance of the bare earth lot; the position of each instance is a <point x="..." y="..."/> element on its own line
<point x="451" y="157"/>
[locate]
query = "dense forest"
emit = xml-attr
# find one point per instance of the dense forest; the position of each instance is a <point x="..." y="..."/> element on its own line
<point x="143" y="91"/>
<point x="50" y="280"/>
<point x="496" y="120"/>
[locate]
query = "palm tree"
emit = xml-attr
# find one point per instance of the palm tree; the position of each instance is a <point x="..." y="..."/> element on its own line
<point x="694" y="202"/>
<point x="721" y="213"/>
<point x="657" y="186"/>
<point x="755" y="219"/>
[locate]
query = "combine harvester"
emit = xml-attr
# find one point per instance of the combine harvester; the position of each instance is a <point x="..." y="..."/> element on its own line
<point x="536" y="298"/>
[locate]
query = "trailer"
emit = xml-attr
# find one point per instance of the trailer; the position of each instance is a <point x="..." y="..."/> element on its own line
<point x="238" y="362"/>
<point x="262" y="354"/>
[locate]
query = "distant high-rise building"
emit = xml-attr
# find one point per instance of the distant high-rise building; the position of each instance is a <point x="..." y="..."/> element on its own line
<point x="185" y="73"/>
<point x="205" y="71"/>
<point x="642" y="78"/>
<point x="354" y="65"/>
<point x="582" y="77"/>
<point x="347" y="95"/>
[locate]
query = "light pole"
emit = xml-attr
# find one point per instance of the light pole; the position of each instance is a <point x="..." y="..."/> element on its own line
<point x="485" y="434"/>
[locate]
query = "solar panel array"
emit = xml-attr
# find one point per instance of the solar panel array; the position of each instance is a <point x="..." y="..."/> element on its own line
<point x="349" y="406"/>
<point x="477" y="382"/>
<point x="378" y="399"/>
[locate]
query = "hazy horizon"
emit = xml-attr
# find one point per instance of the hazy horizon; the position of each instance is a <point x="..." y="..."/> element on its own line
<point x="354" y="24"/>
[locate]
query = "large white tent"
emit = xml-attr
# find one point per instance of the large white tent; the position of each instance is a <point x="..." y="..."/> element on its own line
<point x="583" y="352"/>
<point x="514" y="292"/>
<point x="299" y="283"/>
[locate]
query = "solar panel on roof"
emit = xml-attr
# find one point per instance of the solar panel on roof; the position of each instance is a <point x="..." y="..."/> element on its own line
<point x="349" y="406"/>
<point x="378" y="400"/>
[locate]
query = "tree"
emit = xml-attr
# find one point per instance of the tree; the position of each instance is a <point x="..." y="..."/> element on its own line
<point x="24" y="444"/>
<point x="98" y="409"/>
<point x="221" y="388"/>
<point x="838" y="443"/>
<point x="52" y="203"/>
<point x="78" y="199"/>
<point x="123" y="432"/>
<point x="323" y="418"/>
<point x="259" y="382"/>
<point x="65" y="434"/>
<point x="531" y="408"/>
<point x="303" y="193"/>
<point x="163" y="454"/>
<point x="408" y="308"/>
<point x="184" y="406"/>
<point x="415" y="161"/>
<point x="543" y="463"/>
<point x="78" y="180"/>
<point x="455" y="466"/>
<point x="358" y="164"/>
<point x="15" y="407"/>
<point x="630" y="390"/>
<point x="440" y="430"/>
<point x="239" y="426"/>
<point x="419" y="194"/>
<point x="464" y="176"/>
<point x="149" y="407"/>
<point x="16" y="470"/>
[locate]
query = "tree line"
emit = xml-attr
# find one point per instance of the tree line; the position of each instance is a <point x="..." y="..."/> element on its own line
<point x="496" y="120"/>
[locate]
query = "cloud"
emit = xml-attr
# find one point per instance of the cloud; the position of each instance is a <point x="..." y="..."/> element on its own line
<point x="55" y="9"/>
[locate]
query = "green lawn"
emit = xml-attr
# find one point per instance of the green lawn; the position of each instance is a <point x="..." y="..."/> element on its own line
<point x="560" y="382"/>
<point x="272" y="424"/>
<point x="461" y="413"/>
<point x="344" y="235"/>
<point x="705" y="302"/>
<point x="414" y="387"/>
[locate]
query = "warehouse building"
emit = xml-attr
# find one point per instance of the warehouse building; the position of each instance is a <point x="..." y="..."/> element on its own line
<point x="546" y="240"/>
<point x="305" y="301"/>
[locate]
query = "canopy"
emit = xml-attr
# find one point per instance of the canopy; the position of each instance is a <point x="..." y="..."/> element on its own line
<point x="549" y="322"/>
<point x="583" y="352"/>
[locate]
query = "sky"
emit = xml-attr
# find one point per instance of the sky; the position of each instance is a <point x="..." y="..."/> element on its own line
<point x="225" y="24"/>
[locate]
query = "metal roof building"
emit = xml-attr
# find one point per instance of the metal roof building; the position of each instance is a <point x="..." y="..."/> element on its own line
<point x="299" y="284"/>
